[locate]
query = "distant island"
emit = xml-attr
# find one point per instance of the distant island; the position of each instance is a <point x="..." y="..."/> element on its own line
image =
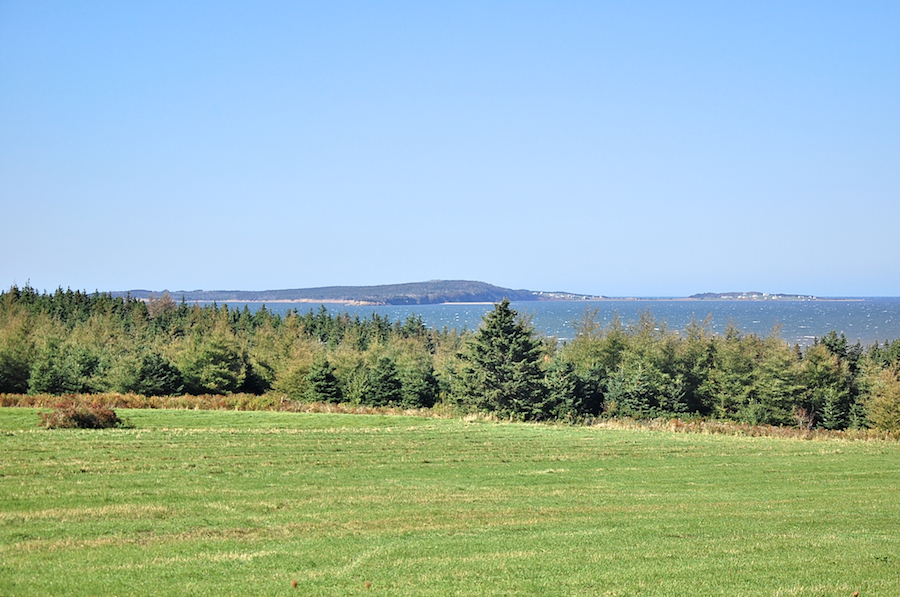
<point x="417" y="293"/>
<point x="433" y="292"/>
<point x="750" y="296"/>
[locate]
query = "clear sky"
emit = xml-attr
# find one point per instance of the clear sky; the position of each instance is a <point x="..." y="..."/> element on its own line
<point x="615" y="148"/>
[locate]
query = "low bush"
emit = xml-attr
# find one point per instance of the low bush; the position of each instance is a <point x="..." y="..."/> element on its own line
<point x="70" y="415"/>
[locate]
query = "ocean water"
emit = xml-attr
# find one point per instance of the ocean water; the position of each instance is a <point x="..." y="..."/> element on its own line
<point x="867" y="320"/>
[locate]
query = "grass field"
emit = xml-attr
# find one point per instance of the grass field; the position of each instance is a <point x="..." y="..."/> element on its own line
<point x="244" y="503"/>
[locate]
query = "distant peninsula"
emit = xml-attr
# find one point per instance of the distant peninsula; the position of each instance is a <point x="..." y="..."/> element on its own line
<point x="416" y="293"/>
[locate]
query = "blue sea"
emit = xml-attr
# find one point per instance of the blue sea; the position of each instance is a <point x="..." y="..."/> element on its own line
<point x="867" y="320"/>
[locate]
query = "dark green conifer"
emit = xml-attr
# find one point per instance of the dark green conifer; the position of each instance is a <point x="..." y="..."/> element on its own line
<point x="384" y="383"/>
<point x="49" y="374"/>
<point x="150" y="375"/>
<point x="420" y="386"/>
<point x="565" y="392"/>
<point x="16" y="355"/>
<point x="321" y="383"/>
<point x="835" y="409"/>
<point x="212" y="366"/>
<point x="501" y="365"/>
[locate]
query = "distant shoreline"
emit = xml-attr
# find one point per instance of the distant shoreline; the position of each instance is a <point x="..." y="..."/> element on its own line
<point x="817" y="299"/>
<point x="291" y="301"/>
<point x="356" y="303"/>
<point x="446" y="292"/>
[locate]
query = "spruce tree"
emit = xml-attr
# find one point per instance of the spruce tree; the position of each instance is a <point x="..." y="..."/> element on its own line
<point x="212" y="366"/>
<point x="384" y="383"/>
<point x="835" y="409"/>
<point x="16" y="356"/>
<point x="564" y="398"/>
<point x="151" y="374"/>
<point x="419" y="386"/>
<point x="501" y="365"/>
<point x="52" y="372"/>
<point x="321" y="383"/>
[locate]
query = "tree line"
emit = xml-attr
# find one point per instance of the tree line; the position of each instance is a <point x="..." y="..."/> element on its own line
<point x="74" y="342"/>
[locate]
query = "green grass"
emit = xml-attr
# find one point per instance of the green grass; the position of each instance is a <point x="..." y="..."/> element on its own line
<point x="241" y="503"/>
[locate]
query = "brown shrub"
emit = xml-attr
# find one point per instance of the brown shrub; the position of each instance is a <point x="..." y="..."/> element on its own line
<point x="69" y="415"/>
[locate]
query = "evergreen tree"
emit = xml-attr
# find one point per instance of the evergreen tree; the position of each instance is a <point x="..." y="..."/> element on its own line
<point x="885" y="355"/>
<point x="595" y="352"/>
<point x="321" y="383"/>
<point x="384" y="383"/>
<point x="776" y="385"/>
<point x="501" y="365"/>
<point x="827" y="386"/>
<point x="254" y="381"/>
<point x="419" y="386"/>
<point x="16" y="355"/>
<point x="356" y="383"/>
<point x="728" y="388"/>
<point x="638" y="388"/>
<point x="565" y="396"/>
<point x="647" y="381"/>
<point x="836" y="408"/>
<point x="150" y="375"/>
<point x="212" y="366"/>
<point x="52" y="373"/>
<point x="59" y="369"/>
<point x="695" y="355"/>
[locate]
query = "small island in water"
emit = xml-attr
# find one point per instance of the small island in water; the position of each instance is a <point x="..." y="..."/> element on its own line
<point x="751" y="296"/>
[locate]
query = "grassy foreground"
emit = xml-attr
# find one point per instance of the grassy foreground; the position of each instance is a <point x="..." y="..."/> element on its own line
<point x="244" y="503"/>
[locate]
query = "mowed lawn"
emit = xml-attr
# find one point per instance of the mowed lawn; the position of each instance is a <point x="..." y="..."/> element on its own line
<point x="244" y="503"/>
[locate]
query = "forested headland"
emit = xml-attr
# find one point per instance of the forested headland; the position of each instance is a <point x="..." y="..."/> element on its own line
<point x="415" y="293"/>
<point x="71" y="342"/>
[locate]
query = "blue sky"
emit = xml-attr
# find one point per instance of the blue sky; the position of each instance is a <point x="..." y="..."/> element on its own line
<point x="615" y="148"/>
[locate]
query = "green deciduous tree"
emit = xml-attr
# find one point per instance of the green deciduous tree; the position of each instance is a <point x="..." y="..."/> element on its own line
<point x="17" y="352"/>
<point x="881" y="398"/>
